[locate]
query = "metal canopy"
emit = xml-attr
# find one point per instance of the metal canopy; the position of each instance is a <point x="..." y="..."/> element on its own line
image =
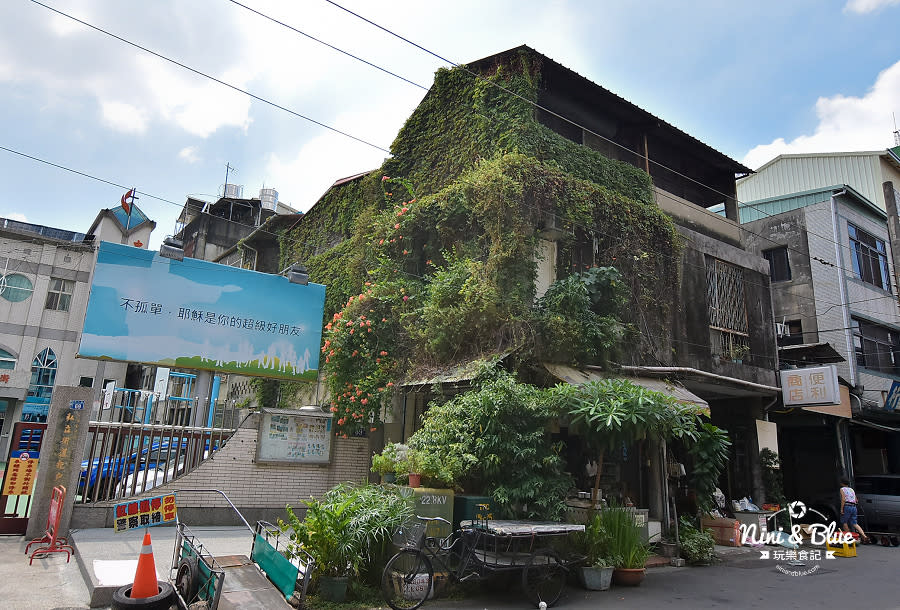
<point x="575" y="376"/>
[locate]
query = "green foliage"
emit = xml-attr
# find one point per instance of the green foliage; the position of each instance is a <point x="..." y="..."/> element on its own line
<point x="595" y="542"/>
<point x="697" y="547"/>
<point x="572" y="328"/>
<point x="453" y="270"/>
<point x="625" y="543"/>
<point x="266" y="391"/>
<point x="709" y="450"/>
<point x="348" y="527"/>
<point x="492" y="440"/>
<point x="771" y="476"/>
<point x="610" y="412"/>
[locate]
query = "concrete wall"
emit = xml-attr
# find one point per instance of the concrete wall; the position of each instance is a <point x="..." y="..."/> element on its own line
<point x="260" y="491"/>
<point x="690" y="322"/>
<point x="792" y="299"/>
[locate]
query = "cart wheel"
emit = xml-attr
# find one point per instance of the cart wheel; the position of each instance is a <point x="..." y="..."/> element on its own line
<point x="186" y="580"/>
<point x="544" y="577"/>
<point x="407" y="580"/>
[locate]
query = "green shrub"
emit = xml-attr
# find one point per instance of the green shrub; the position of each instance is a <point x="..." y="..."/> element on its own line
<point x="697" y="547"/>
<point x="348" y="528"/>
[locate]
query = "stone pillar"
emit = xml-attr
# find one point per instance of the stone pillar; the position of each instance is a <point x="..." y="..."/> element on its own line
<point x="656" y="482"/>
<point x="61" y="453"/>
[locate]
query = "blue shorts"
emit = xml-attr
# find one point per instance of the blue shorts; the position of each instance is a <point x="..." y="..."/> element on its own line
<point x="849" y="515"/>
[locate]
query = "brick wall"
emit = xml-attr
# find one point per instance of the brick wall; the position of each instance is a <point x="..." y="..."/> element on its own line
<point x="260" y="491"/>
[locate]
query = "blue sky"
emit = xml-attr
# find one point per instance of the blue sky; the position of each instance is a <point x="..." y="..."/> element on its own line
<point x="752" y="80"/>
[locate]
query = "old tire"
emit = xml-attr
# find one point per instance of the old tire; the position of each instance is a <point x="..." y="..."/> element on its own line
<point x="186" y="579"/>
<point x="161" y="601"/>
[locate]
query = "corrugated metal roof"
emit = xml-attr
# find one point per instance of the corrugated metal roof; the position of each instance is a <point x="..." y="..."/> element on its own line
<point x="786" y="174"/>
<point x="575" y="376"/>
<point x="754" y="210"/>
<point x="726" y="161"/>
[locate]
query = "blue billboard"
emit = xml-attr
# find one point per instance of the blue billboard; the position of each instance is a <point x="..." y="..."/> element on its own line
<point x="194" y="314"/>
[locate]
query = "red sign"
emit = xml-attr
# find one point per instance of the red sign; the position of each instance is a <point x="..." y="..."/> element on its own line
<point x="145" y="512"/>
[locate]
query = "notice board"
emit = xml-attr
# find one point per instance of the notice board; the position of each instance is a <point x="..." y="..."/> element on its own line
<point x="298" y="436"/>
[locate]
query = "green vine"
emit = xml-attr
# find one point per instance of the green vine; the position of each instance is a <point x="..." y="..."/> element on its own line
<point x="446" y="274"/>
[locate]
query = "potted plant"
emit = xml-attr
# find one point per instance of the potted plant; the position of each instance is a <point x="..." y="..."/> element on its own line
<point x="413" y="465"/>
<point x="327" y="534"/>
<point x="385" y="463"/>
<point x="597" y="573"/>
<point x="626" y="545"/>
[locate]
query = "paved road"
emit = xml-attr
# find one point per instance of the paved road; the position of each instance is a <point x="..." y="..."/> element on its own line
<point x="871" y="581"/>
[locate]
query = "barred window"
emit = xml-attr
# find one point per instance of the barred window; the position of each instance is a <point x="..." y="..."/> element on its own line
<point x="59" y="295"/>
<point x="727" y="308"/>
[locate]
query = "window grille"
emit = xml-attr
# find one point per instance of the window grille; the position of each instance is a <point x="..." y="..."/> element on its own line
<point x="725" y="296"/>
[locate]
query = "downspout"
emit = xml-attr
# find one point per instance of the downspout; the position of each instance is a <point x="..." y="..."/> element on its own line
<point x="842" y="286"/>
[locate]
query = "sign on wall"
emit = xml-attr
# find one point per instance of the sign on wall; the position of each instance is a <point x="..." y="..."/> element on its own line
<point x="810" y="386"/>
<point x="145" y="512"/>
<point x="287" y="435"/>
<point x="195" y="314"/>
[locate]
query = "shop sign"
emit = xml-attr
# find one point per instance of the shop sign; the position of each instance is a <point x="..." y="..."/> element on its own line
<point x="145" y="513"/>
<point x="810" y="386"/>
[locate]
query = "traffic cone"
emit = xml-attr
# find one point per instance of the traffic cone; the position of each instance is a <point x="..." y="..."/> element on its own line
<point x="145" y="578"/>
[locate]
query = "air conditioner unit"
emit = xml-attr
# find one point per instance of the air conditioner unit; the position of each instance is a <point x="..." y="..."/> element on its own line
<point x="781" y="330"/>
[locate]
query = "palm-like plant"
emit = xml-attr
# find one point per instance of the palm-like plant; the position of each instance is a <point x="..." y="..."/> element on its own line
<point x="610" y="412"/>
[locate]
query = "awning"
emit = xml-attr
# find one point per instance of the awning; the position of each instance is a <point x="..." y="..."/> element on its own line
<point x="575" y="376"/>
<point x="809" y="353"/>
<point x="454" y="374"/>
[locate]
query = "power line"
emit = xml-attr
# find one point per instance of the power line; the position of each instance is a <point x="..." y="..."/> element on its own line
<point x="393" y="74"/>
<point x="582" y="127"/>
<point x="214" y="79"/>
<point x="330" y="46"/>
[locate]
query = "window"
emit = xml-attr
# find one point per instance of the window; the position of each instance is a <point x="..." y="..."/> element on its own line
<point x="15" y="287"/>
<point x="793" y="334"/>
<point x="86" y="382"/>
<point x="59" y="295"/>
<point x="779" y="267"/>
<point x="869" y="257"/>
<point x="727" y="309"/>
<point x="7" y="360"/>
<point x="877" y="347"/>
<point x="43" y="376"/>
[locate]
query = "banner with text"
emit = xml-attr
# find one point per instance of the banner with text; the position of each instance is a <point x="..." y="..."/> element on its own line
<point x="195" y="314"/>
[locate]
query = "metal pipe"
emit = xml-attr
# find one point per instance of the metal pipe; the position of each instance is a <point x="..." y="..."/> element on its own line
<point x="222" y="493"/>
<point x="685" y="370"/>
<point x="842" y="288"/>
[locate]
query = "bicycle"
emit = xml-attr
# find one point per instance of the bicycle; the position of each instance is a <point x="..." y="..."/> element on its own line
<point x="471" y="552"/>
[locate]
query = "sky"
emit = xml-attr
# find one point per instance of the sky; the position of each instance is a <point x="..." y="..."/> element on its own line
<point x="752" y="80"/>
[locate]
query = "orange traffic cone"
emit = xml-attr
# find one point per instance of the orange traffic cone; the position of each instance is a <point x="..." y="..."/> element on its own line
<point x="145" y="577"/>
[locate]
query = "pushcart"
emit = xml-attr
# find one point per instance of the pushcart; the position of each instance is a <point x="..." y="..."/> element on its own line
<point x="477" y="549"/>
<point x="264" y="580"/>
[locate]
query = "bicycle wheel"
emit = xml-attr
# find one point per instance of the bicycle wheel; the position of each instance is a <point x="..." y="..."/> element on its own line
<point x="407" y="580"/>
<point x="543" y="577"/>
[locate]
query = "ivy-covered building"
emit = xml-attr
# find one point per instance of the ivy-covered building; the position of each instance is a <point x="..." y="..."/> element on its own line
<point x="512" y="179"/>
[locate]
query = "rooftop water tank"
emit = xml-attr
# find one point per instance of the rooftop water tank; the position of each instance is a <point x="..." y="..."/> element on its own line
<point x="268" y="198"/>
<point x="234" y="191"/>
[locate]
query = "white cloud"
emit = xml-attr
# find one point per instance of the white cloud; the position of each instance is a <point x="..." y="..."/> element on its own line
<point x="124" y="117"/>
<point x="189" y="154"/>
<point x="846" y="123"/>
<point x="867" y="6"/>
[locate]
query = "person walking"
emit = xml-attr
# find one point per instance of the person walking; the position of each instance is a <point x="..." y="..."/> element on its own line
<point x="848" y="510"/>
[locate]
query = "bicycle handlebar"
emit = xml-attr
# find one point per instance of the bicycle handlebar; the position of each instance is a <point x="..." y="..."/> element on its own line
<point x="441" y="519"/>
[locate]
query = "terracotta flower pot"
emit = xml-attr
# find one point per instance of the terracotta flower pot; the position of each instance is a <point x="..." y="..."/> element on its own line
<point x="415" y="480"/>
<point x="628" y="577"/>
